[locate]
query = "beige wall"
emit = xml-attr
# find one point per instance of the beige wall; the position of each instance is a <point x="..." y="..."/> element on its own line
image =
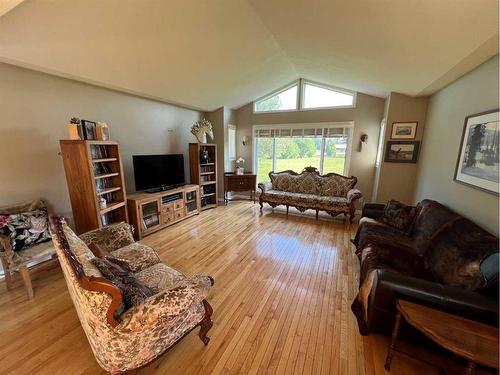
<point x="35" y="109"/>
<point x="397" y="180"/>
<point x="366" y="116"/>
<point x="475" y="92"/>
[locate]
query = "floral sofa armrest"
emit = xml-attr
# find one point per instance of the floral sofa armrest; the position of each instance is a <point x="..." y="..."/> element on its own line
<point x="111" y="237"/>
<point x="353" y="195"/>
<point x="265" y="186"/>
<point x="166" y="304"/>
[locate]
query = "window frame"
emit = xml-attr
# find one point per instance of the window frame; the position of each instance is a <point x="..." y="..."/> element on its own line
<point x="326" y="87"/>
<point x="344" y="124"/>
<point x="231" y="127"/>
<point x="278" y="91"/>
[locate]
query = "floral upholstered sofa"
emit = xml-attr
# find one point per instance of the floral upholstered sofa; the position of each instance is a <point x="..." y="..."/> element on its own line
<point x="331" y="192"/>
<point x="124" y="339"/>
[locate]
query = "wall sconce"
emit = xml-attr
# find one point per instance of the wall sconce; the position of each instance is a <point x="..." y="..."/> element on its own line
<point x="245" y="140"/>
<point x="362" y="141"/>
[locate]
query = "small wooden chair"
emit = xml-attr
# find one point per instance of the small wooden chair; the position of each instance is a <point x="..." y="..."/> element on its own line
<point x="18" y="261"/>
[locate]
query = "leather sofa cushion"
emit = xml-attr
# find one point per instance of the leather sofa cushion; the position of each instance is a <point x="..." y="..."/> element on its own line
<point x="457" y="252"/>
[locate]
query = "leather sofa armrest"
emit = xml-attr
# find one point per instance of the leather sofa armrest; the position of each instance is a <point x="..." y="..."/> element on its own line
<point x="353" y="195"/>
<point x="265" y="186"/>
<point x="373" y="210"/>
<point x="388" y="286"/>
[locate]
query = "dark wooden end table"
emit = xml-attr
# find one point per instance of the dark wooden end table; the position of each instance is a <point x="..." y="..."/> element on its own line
<point x="239" y="183"/>
<point x="475" y="342"/>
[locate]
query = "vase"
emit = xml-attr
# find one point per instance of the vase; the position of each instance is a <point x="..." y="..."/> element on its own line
<point x="240" y="170"/>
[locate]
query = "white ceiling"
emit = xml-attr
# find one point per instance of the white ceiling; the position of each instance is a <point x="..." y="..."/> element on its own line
<point x="205" y="54"/>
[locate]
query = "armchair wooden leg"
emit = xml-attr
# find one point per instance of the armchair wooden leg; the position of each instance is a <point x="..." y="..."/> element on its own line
<point x="317" y="214"/>
<point x="8" y="275"/>
<point x="287" y="209"/>
<point x="206" y="323"/>
<point x="25" y="274"/>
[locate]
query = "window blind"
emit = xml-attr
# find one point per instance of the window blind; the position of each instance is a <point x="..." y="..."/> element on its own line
<point x="328" y="132"/>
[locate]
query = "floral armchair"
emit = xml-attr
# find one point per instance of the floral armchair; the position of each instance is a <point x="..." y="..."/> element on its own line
<point x="125" y="339"/>
<point x="331" y="192"/>
<point x="33" y="230"/>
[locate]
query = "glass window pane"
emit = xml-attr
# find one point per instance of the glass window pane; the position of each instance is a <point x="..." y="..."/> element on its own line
<point x="264" y="158"/>
<point x="318" y="97"/>
<point x="335" y="154"/>
<point x="282" y="101"/>
<point x="297" y="153"/>
<point x="232" y="143"/>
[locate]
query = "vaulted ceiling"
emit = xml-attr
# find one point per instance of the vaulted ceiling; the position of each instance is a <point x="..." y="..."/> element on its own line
<point x="205" y="54"/>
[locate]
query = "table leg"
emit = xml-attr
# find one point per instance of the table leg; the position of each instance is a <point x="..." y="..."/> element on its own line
<point x="392" y="345"/>
<point x="471" y="368"/>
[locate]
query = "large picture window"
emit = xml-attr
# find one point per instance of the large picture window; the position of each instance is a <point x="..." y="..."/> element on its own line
<point x="280" y="148"/>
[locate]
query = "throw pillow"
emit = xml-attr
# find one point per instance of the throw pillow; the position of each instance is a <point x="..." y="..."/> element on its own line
<point x="26" y="229"/>
<point x="98" y="250"/>
<point x="399" y="216"/>
<point x="134" y="292"/>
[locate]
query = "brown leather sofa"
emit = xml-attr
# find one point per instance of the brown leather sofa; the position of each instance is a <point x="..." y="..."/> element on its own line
<point x="443" y="261"/>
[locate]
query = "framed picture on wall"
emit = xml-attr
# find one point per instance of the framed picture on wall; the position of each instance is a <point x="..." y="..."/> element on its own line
<point x="478" y="158"/>
<point x="402" y="151"/>
<point x="404" y="130"/>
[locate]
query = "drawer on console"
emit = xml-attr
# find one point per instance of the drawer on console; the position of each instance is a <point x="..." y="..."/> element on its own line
<point x="167" y="217"/>
<point x="178" y="204"/>
<point x="179" y="214"/>
<point x="169" y="207"/>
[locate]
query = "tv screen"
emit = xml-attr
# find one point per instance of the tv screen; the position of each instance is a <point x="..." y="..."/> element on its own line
<point x="158" y="172"/>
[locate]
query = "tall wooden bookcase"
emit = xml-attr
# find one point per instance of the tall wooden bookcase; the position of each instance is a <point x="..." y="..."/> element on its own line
<point x="94" y="171"/>
<point x="204" y="172"/>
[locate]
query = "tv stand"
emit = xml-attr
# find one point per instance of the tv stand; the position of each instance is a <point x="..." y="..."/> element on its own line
<point x="152" y="211"/>
<point x="162" y="188"/>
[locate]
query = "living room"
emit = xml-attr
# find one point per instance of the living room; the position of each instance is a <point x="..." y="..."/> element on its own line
<point x="307" y="187"/>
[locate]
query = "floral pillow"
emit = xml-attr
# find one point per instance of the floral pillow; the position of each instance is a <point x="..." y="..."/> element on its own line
<point x="26" y="229"/>
<point x="399" y="216"/>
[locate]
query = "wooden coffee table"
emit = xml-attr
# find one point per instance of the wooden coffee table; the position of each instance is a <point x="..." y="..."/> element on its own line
<point x="475" y="342"/>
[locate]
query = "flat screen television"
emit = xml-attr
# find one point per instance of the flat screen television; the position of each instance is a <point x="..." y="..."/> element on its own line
<point x="158" y="172"/>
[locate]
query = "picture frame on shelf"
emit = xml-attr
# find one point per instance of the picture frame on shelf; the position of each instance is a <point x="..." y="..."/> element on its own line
<point x="478" y="157"/>
<point x="102" y="131"/>
<point x="402" y="151"/>
<point x="404" y="130"/>
<point x="89" y="130"/>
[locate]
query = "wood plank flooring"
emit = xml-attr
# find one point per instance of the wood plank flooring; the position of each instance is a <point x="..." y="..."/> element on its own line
<point x="281" y="299"/>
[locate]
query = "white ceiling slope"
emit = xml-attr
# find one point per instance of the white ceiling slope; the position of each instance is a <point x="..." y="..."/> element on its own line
<point x="205" y="54"/>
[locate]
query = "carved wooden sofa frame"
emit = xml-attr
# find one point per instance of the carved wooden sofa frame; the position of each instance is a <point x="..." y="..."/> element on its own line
<point x="100" y="284"/>
<point x="352" y="195"/>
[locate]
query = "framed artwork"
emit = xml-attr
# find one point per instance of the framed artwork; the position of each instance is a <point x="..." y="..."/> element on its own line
<point x="402" y="151"/>
<point x="89" y="130"/>
<point x="477" y="163"/>
<point x="404" y="130"/>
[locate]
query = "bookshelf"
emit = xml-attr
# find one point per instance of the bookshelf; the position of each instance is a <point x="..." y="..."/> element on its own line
<point x="94" y="171"/>
<point x="204" y="172"/>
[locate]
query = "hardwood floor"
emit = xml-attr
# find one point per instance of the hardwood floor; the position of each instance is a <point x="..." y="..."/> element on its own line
<point x="281" y="299"/>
